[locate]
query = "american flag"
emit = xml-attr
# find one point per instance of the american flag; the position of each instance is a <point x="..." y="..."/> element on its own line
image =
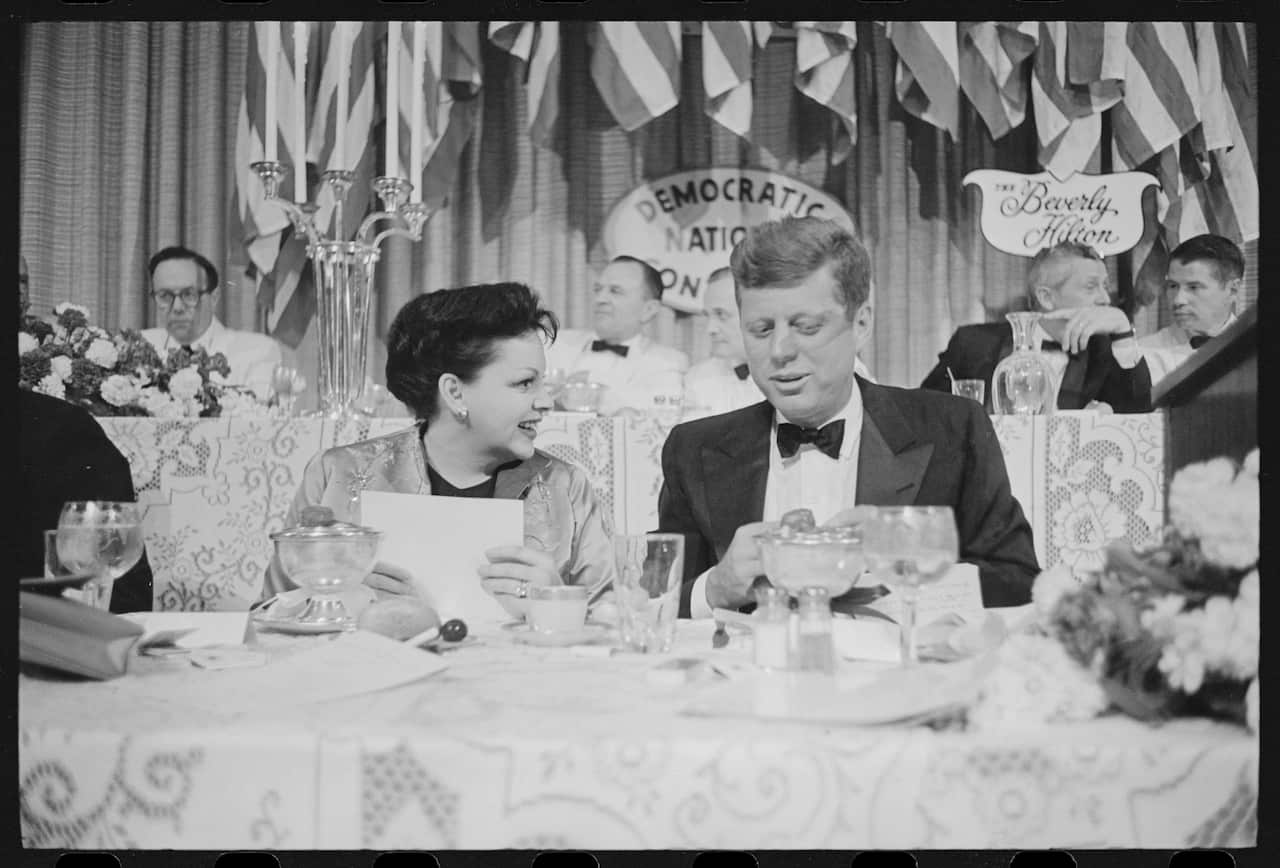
<point x="636" y="68"/>
<point x="825" y="73"/>
<point x="537" y="43"/>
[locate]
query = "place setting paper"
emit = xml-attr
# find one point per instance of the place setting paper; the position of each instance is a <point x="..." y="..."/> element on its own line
<point x="442" y="541"/>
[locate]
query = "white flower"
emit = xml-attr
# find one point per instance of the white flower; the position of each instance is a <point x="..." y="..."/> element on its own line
<point x="159" y="404"/>
<point x="1183" y="659"/>
<point x="102" y="353"/>
<point x="1049" y="587"/>
<point x="61" y="366"/>
<point x="120" y="391"/>
<point x="1252" y="464"/>
<point x="59" y="333"/>
<point x="185" y="384"/>
<point x="1229" y="522"/>
<point x="1248" y="592"/>
<point x="68" y="306"/>
<point x="1191" y="486"/>
<point x="1036" y="682"/>
<point x="1251" y="705"/>
<point x="1082" y="527"/>
<point x="51" y="384"/>
<point x="26" y="343"/>
<point x="1159" y="619"/>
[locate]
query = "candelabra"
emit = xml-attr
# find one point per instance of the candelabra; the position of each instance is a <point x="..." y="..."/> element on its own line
<point x="344" y="274"/>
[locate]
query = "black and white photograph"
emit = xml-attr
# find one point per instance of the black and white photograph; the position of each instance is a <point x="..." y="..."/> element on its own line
<point x="607" y="435"/>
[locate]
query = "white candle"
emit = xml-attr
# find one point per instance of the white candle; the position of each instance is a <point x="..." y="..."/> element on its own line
<point x="416" y="94"/>
<point x="271" y="52"/>
<point x="391" y="165"/>
<point x="342" y="36"/>
<point x="300" y="110"/>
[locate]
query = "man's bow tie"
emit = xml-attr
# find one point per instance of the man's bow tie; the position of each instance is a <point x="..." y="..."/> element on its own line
<point x="742" y="371"/>
<point x="1197" y="341"/>
<point x="606" y="347"/>
<point x="827" y="438"/>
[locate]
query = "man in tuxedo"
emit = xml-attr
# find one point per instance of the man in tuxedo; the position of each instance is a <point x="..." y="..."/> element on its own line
<point x="640" y="375"/>
<point x="1089" y="344"/>
<point x="63" y="454"/>
<point x="825" y="439"/>
<point x="185" y="288"/>
<point x="1203" y="288"/>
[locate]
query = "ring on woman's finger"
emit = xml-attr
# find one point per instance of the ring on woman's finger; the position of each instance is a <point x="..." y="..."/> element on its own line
<point x="524" y="588"/>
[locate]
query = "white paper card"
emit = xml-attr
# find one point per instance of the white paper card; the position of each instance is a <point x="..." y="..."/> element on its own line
<point x="959" y="592"/>
<point x="442" y="541"/>
<point x="208" y="628"/>
<point x="866" y="639"/>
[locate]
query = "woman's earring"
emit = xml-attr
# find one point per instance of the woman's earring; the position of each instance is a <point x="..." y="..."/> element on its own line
<point x="461" y="414"/>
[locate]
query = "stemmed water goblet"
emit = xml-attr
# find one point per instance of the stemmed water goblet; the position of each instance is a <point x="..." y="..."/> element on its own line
<point x="103" y="537"/>
<point x="906" y="547"/>
<point x="287" y="382"/>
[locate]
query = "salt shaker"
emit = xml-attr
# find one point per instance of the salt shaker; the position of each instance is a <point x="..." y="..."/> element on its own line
<point x="771" y="628"/>
<point x="815" y="643"/>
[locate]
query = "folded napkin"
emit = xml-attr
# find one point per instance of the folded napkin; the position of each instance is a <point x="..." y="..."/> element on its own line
<point x="81" y="640"/>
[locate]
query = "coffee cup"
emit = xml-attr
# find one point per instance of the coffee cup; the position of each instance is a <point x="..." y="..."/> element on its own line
<point x="557" y="608"/>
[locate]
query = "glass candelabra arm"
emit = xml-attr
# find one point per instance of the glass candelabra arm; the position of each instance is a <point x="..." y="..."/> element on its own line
<point x="414" y="216"/>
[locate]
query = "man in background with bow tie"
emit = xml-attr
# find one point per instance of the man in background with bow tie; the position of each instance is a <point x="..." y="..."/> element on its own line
<point x="723" y="381"/>
<point x="185" y="289"/>
<point x="825" y="439"/>
<point x="639" y="374"/>
<point x="1089" y="343"/>
<point x="1203" y="289"/>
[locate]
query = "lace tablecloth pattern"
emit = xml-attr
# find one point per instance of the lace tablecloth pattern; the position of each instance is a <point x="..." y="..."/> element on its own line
<point x="215" y="488"/>
<point x="521" y="747"/>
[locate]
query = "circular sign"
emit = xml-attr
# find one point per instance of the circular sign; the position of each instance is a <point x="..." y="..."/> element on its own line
<point x="686" y="224"/>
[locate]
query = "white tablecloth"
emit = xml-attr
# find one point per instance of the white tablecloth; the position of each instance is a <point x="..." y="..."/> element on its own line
<point x="215" y="488"/>
<point x="513" y="746"/>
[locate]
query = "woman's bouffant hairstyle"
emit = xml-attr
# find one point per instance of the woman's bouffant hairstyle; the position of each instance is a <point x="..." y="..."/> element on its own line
<point x="784" y="252"/>
<point x="453" y="331"/>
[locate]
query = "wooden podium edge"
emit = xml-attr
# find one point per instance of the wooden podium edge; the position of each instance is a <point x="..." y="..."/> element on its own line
<point x="1235" y="342"/>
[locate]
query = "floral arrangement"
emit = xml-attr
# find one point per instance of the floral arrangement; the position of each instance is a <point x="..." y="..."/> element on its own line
<point x="1166" y="631"/>
<point x="121" y="374"/>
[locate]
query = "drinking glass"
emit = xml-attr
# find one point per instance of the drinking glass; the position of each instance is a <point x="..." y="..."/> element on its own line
<point x="647" y="588"/>
<point x="975" y="389"/>
<point x="372" y="397"/>
<point x="103" y="537"/>
<point x="287" y="382"/>
<point x="908" y="546"/>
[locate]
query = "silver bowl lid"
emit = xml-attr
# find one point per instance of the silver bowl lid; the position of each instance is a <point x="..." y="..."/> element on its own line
<point x="318" y="523"/>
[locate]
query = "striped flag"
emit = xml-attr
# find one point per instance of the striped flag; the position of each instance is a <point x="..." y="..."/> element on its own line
<point x="347" y="48"/>
<point x="1069" y="113"/>
<point x="727" y="54"/>
<point x="458" y="76"/>
<point x="928" y="75"/>
<point x="537" y="43"/>
<point x="825" y="74"/>
<point x="993" y="57"/>
<point x="1162" y="91"/>
<point x="636" y="68"/>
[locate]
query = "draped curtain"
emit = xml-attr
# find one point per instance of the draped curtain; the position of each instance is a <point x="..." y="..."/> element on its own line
<point x="127" y="141"/>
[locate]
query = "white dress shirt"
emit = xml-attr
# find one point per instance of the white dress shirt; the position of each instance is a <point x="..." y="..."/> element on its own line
<point x="1169" y="347"/>
<point x="810" y="479"/>
<point x="650" y="378"/>
<point x="251" y="356"/>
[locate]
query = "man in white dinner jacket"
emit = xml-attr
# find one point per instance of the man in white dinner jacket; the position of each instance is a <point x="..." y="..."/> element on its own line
<point x="185" y="289"/>
<point x="638" y="373"/>
<point x="723" y="382"/>
<point x="1203" y="287"/>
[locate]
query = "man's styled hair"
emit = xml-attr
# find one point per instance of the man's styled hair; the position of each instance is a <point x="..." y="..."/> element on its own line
<point x="455" y="331"/>
<point x="783" y="253"/>
<point x="180" y="252"/>
<point x="649" y="276"/>
<point x="1046" y="265"/>
<point x="1221" y="253"/>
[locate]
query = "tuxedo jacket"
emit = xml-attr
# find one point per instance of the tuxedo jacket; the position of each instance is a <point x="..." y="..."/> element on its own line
<point x="63" y="454"/>
<point x="1093" y="375"/>
<point x="917" y="448"/>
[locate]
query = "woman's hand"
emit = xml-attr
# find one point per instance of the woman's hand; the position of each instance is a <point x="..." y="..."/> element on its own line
<point x="389" y="580"/>
<point x="510" y="572"/>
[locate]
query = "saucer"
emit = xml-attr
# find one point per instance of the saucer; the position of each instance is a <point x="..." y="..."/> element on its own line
<point x="589" y="634"/>
<point x="298" y="628"/>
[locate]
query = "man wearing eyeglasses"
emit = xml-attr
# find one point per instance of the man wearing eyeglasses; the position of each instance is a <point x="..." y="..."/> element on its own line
<point x="185" y="289"/>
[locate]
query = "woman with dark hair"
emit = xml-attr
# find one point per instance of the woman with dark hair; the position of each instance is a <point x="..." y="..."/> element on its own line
<point x="469" y="364"/>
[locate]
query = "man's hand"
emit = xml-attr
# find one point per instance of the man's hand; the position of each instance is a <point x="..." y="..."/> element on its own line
<point x="729" y="582"/>
<point x="1073" y="326"/>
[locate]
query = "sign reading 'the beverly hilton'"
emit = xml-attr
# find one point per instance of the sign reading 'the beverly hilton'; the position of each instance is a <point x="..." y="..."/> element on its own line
<point x="686" y="224"/>
<point x="1023" y="213"/>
